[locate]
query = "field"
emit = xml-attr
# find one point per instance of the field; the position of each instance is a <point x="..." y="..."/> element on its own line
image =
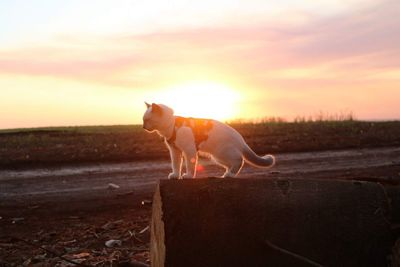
<point x="66" y="191"/>
<point x="77" y="145"/>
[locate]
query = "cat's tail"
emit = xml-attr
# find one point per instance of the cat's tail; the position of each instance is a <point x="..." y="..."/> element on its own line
<point x="252" y="158"/>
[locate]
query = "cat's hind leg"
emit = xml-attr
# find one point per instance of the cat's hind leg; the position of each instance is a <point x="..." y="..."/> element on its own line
<point x="234" y="169"/>
<point x="232" y="161"/>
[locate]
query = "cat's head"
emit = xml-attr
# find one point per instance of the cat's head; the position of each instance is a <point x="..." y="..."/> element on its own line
<point x="157" y="117"/>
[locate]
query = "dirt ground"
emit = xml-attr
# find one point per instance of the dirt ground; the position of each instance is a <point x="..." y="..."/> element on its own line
<point x="72" y="211"/>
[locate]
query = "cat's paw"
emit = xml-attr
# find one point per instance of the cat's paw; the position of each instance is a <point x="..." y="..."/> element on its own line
<point x="187" y="176"/>
<point x="173" y="175"/>
<point x="228" y="175"/>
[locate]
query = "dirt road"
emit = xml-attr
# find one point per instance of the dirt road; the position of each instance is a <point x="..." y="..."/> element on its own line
<point x="93" y="180"/>
<point x="71" y="203"/>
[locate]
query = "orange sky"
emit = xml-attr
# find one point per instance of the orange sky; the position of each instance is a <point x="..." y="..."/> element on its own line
<point x="81" y="63"/>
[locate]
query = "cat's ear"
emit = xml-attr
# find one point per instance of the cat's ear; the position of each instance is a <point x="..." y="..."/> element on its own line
<point x="147" y="104"/>
<point x="156" y="109"/>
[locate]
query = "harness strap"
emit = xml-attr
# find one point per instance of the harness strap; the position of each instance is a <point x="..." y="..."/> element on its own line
<point x="178" y="123"/>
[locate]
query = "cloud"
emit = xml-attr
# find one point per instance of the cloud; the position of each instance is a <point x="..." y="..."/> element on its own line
<point x="335" y="48"/>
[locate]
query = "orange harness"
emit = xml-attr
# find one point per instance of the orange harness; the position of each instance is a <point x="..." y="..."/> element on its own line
<point x="199" y="127"/>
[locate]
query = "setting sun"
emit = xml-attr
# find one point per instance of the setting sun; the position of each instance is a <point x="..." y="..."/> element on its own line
<point x="201" y="100"/>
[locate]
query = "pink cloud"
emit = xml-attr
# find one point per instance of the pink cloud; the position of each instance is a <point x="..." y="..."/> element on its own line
<point x="351" y="45"/>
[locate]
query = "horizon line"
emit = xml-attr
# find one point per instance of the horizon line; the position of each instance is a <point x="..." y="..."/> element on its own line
<point x="235" y="121"/>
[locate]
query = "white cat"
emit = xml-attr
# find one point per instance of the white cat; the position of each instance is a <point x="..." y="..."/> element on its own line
<point x="185" y="137"/>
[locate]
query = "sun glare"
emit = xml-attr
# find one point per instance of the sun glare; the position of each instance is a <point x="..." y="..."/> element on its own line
<point x="201" y="100"/>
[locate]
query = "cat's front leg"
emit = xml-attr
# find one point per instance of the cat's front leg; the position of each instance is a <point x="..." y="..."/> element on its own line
<point x="176" y="162"/>
<point x="190" y="162"/>
<point x="185" y="142"/>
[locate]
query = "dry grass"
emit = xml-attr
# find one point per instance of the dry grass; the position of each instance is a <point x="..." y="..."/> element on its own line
<point x="318" y="117"/>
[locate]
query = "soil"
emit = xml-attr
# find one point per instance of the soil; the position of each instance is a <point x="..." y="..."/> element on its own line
<point x="73" y="210"/>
